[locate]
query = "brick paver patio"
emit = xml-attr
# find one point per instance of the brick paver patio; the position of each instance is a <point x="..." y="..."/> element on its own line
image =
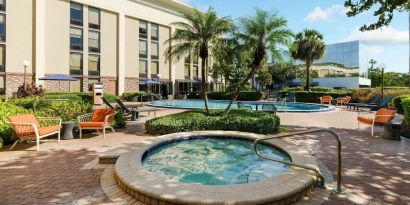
<point x="376" y="170"/>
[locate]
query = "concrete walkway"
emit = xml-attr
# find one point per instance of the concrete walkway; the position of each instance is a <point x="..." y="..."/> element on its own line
<point x="375" y="170"/>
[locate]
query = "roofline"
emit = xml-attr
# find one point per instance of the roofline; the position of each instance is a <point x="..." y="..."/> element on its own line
<point x="174" y="6"/>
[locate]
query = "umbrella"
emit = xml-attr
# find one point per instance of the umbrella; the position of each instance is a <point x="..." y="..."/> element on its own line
<point x="59" y="78"/>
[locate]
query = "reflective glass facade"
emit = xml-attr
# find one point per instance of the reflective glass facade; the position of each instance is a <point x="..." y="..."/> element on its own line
<point x="346" y="54"/>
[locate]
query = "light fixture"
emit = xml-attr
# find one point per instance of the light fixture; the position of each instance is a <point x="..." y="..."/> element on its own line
<point x="26" y="63"/>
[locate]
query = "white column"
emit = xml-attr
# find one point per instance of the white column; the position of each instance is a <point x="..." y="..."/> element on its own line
<point x="40" y="55"/>
<point x="121" y="53"/>
<point x="172" y="75"/>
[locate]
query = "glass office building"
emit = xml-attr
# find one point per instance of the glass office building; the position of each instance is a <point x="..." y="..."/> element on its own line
<point x="345" y="54"/>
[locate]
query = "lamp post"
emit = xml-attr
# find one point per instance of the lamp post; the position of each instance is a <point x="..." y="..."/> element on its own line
<point x="26" y="64"/>
<point x="159" y="80"/>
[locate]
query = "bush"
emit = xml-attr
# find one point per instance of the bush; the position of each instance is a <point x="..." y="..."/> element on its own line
<point x="79" y="96"/>
<point x="405" y="132"/>
<point x="236" y="120"/>
<point x="365" y="95"/>
<point x="131" y="97"/>
<point x="29" y="90"/>
<point x="314" y="96"/>
<point x="243" y="96"/>
<point x="119" y="121"/>
<point x="398" y="102"/>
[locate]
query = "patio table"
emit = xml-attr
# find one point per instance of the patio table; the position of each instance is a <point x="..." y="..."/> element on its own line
<point x="68" y="130"/>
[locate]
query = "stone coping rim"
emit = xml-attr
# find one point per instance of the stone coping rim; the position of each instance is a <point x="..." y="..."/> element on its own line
<point x="130" y="173"/>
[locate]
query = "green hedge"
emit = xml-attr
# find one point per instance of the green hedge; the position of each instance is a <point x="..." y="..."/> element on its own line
<point x="237" y="120"/>
<point x="132" y="97"/>
<point x="79" y="96"/>
<point x="314" y="96"/>
<point x="243" y="96"/>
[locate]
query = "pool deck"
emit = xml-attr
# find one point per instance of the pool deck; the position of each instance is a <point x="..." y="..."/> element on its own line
<point x="375" y="170"/>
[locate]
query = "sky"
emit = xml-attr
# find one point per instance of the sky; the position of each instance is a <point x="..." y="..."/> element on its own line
<point x="389" y="46"/>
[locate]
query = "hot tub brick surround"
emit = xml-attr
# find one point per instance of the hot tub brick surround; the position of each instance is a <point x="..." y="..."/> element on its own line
<point x="147" y="188"/>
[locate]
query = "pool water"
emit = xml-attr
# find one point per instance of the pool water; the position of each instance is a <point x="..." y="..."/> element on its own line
<point x="217" y="104"/>
<point x="214" y="161"/>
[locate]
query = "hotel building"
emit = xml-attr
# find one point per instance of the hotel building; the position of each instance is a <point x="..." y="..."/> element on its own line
<point x="120" y="43"/>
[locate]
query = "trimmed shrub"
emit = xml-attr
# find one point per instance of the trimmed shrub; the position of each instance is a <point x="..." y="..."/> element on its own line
<point x="236" y="120"/>
<point x="79" y="96"/>
<point x="365" y="95"/>
<point x="405" y="131"/>
<point x="398" y="102"/>
<point x="243" y="96"/>
<point x="314" y="96"/>
<point x="131" y="97"/>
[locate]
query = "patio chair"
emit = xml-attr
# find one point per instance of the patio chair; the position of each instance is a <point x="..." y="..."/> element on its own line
<point x="292" y="97"/>
<point x="381" y="117"/>
<point x="343" y="101"/>
<point x="373" y="107"/>
<point x="326" y="99"/>
<point x="27" y="128"/>
<point x="108" y="104"/>
<point x="269" y="108"/>
<point x="100" y="119"/>
<point x="243" y="106"/>
<point x="374" y="101"/>
<point x="127" y="110"/>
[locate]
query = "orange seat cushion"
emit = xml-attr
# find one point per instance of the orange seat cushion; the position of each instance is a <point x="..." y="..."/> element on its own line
<point x="326" y="98"/>
<point x="48" y="130"/>
<point x="92" y="124"/>
<point x="365" y="120"/>
<point x="24" y="130"/>
<point x="100" y="114"/>
<point x="384" y="115"/>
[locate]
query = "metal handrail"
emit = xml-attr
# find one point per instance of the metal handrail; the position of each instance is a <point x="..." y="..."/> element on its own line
<point x="338" y="188"/>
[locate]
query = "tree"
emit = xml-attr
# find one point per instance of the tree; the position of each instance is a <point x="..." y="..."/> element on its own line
<point x="259" y="33"/>
<point x="196" y="35"/>
<point x="282" y="73"/>
<point x="308" y="46"/>
<point x="384" y="13"/>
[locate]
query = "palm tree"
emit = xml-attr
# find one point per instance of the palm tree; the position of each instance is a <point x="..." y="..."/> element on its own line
<point x="196" y="34"/>
<point x="308" y="46"/>
<point x="259" y="33"/>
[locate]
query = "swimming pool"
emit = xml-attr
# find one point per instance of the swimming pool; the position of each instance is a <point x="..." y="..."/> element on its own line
<point x="218" y="104"/>
<point x="214" y="161"/>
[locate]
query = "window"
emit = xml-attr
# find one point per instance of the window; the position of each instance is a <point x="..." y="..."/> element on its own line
<point x="155" y="32"/>
<point x="76" y="86"/>
<point x="187" y="72"/>
<point x="2" y="85"/>
<point x="91" y="81"/>
<point x="2" y="27"/>
<point x="154" y="51"/>
<point x="94" y="65"/>
<point x="154" y="69"/>
<point x="143" y="68"/>
<point x="187" y="60"/>
<point x="76" y="64"/>
<point x="196" y="58"/>
<point x="93" y="18"/>
<point x="143" y="29"/>
<point x="2" y="5"/>
<point x="76" y="38"/>
<point x="143" y="49"/>
<point x="195" y="72"/>
<point x="76" y="13"/>
<point x="94" y="41"/>
<point x="2" y="58"/>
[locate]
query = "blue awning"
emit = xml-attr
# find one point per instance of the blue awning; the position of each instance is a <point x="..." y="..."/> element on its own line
<point x="58" y="77"/>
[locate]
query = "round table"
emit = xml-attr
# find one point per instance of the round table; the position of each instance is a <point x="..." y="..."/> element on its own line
<point x="392" y="131"/>
<point x="67" y="130"/>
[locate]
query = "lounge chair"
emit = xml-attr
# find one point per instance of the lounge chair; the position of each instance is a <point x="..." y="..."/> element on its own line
<point x="372" y="102"/>
<point x="381" y="117"/>
<point x="326" y="99"/>
<point x="27" y="128"/>
<point x="108" y="104"/>
<point x="343" y="101"/>
<point x="243" y="106"/>
<point x="291" y="97"/>
<point x="269" y="108"/>
<point x="373" y="107"/>
<point x="100" y="119"/>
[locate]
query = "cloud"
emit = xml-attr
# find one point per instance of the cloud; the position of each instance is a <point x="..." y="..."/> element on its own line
<point x="387" y="35"/>
<point x="320" y="14"/>
<point x="372" y="51"/>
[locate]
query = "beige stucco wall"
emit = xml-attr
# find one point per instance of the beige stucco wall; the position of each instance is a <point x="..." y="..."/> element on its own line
<point x="57" y="39"/>
<point x="164" y="64"/>
<point x="19" y="35"/>
<point x="131" y="47"/>
<point x="109" y="26"/>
